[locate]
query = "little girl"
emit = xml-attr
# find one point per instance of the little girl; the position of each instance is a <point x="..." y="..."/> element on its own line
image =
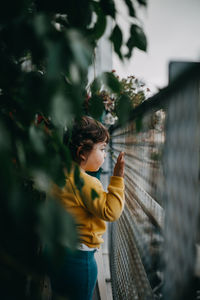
<point x="90" y="206"/>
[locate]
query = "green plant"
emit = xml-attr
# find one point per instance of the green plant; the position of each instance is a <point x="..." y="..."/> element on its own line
<point x="116" y="103"/>
<point x="46" y="48"/>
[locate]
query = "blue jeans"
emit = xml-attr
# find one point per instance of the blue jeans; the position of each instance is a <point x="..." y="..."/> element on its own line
<point x="77" y="277"/>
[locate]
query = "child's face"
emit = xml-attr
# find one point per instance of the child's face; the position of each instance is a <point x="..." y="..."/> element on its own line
<point x="93" y="161"/>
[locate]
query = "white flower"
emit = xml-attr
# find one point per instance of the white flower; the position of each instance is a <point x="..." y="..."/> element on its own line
<point x="109" y="119"/>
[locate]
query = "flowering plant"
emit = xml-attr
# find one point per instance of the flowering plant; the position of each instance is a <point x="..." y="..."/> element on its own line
<point x="132" y="92"/>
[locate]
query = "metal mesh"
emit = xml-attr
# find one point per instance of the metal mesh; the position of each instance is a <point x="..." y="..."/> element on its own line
<point x="181" y="157"/>
<point x="154" y="245"/>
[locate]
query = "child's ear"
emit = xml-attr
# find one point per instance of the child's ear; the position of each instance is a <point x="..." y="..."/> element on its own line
<point x="82" y="157"/>
<point x="80" y="153"/>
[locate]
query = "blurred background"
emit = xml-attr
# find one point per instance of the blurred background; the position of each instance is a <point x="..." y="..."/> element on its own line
<point x="111" y="60"/>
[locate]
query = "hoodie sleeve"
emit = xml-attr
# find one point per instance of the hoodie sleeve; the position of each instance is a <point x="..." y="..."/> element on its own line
<point x="105" y="205"/>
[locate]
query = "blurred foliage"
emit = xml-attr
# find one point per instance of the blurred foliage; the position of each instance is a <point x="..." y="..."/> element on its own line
<point x="46" y="48"/>
<point x="115" y="97"/>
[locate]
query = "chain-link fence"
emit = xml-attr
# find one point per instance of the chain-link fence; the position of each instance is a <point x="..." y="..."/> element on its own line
<point x="154" y="246"/>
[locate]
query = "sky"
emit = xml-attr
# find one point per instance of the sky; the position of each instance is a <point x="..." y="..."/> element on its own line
<point x="173" y="33"/>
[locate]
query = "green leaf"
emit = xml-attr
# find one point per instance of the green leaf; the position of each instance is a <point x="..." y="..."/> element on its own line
<point x="78" y="11"/>
<point x="108" y="7"/>
<point x="79" y="182"/>
<point x="80" y="48"/>
<point x="83" y="14"/>
<point x="96" y="106"/>
<point x="56" y="171"/>
<point x="117" y="39"/>
<point x="65" y="153"/>
<point x="130" y="8"/>
<point x="94" y="194"/>
<point x="138" y="124"/>
<point x="111" y="81"/>
<point x="142" y="2"/>
<point x="61" y="109"/>
<point x="56" y="226"/>
<point x="137" y="39"/>
<point x="100" y="25"/>
<point x="95" y="86"/>
<point x="123" y="108"/>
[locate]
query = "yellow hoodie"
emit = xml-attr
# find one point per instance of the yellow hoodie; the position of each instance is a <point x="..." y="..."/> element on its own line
<point x="92" y="206"/>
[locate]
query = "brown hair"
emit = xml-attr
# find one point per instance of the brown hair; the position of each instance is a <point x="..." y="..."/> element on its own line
<point x="85" y="133"/>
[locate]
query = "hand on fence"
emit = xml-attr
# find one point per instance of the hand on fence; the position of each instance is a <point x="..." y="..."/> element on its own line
<point x="119" y="166"/>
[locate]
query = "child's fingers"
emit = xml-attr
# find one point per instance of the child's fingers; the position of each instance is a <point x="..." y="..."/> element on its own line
<point x="118" y="158"/>
<point x="119" y="166"/>
<point x="121" y="157"/>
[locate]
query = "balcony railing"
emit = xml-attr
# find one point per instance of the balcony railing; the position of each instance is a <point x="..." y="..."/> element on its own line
<point x="154" y="245"/>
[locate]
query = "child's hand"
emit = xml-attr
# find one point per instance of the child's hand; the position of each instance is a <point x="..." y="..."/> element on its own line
<point x="119" y="166"/>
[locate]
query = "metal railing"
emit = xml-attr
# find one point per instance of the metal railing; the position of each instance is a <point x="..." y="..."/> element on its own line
<point x="154" y="245"/>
